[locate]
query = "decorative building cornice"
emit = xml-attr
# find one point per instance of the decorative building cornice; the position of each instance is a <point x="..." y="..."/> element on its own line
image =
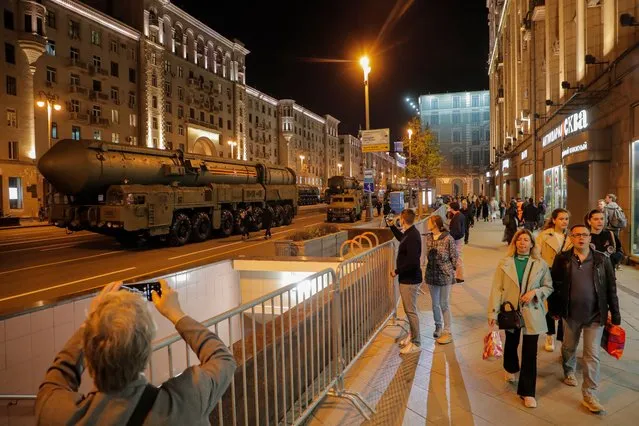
<point x="308" y="113"/>
<point x="251" y="91"/>
<point x="237" y="47"/>
<point x="99" y="17"/>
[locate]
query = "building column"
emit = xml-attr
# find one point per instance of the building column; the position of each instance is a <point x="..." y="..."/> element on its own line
<point x="206" y="57"/>
<point x="184" y="43"/>
<point x="146" y="23"/>
<point x="609" y="19"/>
<point x="172" y="40"/>
<point x="161" y="32"/>
<point x="580" y="57"/>
<point x="562" y="50"/>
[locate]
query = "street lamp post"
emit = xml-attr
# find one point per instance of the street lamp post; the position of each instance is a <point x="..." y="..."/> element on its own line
<point x="410" y="157"/>
<point x="51" y="102"/>
<point x="365" y="63"/>
<point x="232" y="144"/>
<point x="339" y="168"/>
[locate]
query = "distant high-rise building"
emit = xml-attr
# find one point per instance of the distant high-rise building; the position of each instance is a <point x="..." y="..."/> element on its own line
<point x="460" y="123"/>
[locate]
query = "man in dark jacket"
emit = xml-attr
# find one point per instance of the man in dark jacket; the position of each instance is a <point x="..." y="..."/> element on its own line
<point x="585" y="291"/>
<point x="530" y="215"/>
<point x="267" y="221"/>
<point x="408" y="269"/>
<point x="458" y="231"/>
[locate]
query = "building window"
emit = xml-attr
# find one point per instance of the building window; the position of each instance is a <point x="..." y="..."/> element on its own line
<point x="96" y="38"/>
<point x="168" y="108"/>
<point x="167" y="67"/>
<point x="113" y="46"/>
<point x="211" y="119"/>
<point x="11" y="86"/>
<point x="191" y="113"/>
<point x="168" y="126"/>
<point x="115" y="137"/>
<point x="12" y="118"/>
<point x="74" y="54"/>
<point x="180" y="94"/>
<point x="131" y="100"/>
<point x="97" y="86"/>
<point x="475" y="117"/>
<point x="97" y="61"/>
<point x="434" y="118"/>
<point x="9" y="53"/>
<point x="475" y="137"/>
<point x="434" y="103"/>
<point x="97" y="135"/>
<point x="115" y="69"/>
<point x="167" y="89"/>
<point x="131" y="75"/>
<point x="54" y="130"/>
<point x="476" y="158"/>
<point x="75" y="105"/>
<point x="458" y="160"/>
<point x="220" y="123"/>
<point x="50" y="47"/>
<point x="133" y="120"/>
<point x="75" y="133"/>
<point x="96" y="111"/>
<point x="15" y="193"/>
<point x="134" y="140"/>
<point x="13" y="150"/>
<point x="154" y="101"/>
<point x="487" y="135"/>
<point x="154" y="123"/>
<point x="115" y="95"/>
<point x="180" y="71"/>
<point x="475" y="101"/>
<point x="456" y="101"/>
<point x="456" y="117"/>
<point x="131" y="54"/>
<point x="180" y="111"/>
<point x="51" y="75"/>
<point x="8" y="20"/>
<point x="228" y="125"/>
<point x="74" y="30"/>
<point x="181" y="130"/>
<point x="28" y="25"/>
<point x="115" y="116"/>
<point x="201" y="115"/>
<point x="154" y="80"/>
<point x="456" y="136"/>
<point x="250" y="133"/>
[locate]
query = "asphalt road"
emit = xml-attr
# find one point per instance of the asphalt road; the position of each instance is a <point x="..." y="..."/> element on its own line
<point x="42" y="264"/>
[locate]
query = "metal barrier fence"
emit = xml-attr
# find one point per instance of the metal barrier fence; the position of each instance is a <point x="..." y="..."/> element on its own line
<point x="294" y="345"/>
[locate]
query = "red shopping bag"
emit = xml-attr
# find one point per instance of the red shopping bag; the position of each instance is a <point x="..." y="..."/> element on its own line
<point x="613" y="339"/>
<point x="492" y="346"/>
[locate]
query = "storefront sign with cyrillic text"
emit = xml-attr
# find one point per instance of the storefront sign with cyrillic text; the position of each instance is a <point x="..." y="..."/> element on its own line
<point x="574" y="149"/>
<point x="571" y="124"/>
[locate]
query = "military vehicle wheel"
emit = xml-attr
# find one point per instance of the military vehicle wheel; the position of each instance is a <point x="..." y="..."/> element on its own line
<point x="201" y="227"/>
<point x="257" y="219"/>
<point x="238" y="228"/>
<point x="226" y="226"/>
<point x="180" y="231"/>
<point x="278" y="216"/>
<point x="288" y="214"/>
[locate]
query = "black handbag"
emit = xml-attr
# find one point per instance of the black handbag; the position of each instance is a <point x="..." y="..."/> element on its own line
<point x="512" y="320"/>
<point x="509" y="320"/>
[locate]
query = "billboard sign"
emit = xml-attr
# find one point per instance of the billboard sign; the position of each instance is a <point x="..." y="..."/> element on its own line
<point x="376" y="140"/>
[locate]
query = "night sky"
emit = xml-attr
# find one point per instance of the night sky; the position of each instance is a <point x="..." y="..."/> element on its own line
<point x="307" y="50"/>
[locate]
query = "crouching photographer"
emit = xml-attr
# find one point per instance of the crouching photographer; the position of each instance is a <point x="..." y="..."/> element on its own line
<point x="115" y="343"/>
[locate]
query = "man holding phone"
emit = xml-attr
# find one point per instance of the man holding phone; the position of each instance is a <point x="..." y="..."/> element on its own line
<point x="115" y="343"/>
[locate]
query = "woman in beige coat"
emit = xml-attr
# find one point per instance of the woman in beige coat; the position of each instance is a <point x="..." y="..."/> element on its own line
<point x="523" y="279"/>
<point x="551" y="241"/>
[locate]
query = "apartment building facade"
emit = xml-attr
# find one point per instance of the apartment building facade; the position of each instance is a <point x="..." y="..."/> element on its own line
<point x="565" y="109"/>
<point x="460" y="122"/>
<point x="145" y="73"/>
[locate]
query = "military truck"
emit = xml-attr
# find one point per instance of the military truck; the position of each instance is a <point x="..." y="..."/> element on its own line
<point x="135" y="193"/>
<point x="345" y="206"/>
<point x="339" y="185"/>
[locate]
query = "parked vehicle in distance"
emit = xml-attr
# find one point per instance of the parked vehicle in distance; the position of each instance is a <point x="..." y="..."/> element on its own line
<point x="308" y="195"/>
<point x="347" y="206"/>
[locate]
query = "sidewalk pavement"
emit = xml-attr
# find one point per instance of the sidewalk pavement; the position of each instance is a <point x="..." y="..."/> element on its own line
<point x="27" y="223"/>
<point x="452" y="385"/>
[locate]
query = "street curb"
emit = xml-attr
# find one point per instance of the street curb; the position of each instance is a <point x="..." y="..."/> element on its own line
<point x="5" y="228"/>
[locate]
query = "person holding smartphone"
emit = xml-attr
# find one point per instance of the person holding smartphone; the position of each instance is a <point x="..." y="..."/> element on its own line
<point x="115" y="344"/>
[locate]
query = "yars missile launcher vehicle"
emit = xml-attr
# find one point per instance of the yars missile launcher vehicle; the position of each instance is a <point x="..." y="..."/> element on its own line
<point x="135" y="193"/>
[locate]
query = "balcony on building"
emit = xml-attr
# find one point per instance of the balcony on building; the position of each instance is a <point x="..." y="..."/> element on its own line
<point x="154" y="21"/>
<point x="201" y="123"/>
<point x="79" y="117"/>
<point x="96" y="120"/>
<point x="76" y="64"/>
<point x="538" y="8"/>
<point x="75" y="88"/>
<point x="98" y="72"/>
<point x="98" y="96"/>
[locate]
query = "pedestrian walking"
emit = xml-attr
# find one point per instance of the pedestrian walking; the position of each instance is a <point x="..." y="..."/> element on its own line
<point x="245" y="221"/>
<point x="510" y="222"/>
<point x="603" y="240"/>
<point x="523" y="280"/>
<point x="387" y="207"/>
<point x="267" y="222"/>
<point x="484" y="209"/>
<point x="541" y="212"/>
<point x="502" y="209"/>
<point x="530" y="215"/>
<point x="494" y="209"/>
<point x="408" y="269"/>
<point x="379" y="206"/>
<point x="441" y="254"/>
<point x="458" y="232"/>
<point x="585" y="292"/>
<point x="553" y="240"/>
<point x="478" y="208"/>
<point x="520" y="212"/>
<point x="601" y="205"/>
<point x="470" y="218"/>
<point x="615" y="217"/>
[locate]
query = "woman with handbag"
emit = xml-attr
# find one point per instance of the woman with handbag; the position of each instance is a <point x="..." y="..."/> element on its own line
<point x="551" y="241"/>
<point x="441" y="253"/>
<point x="521" y="285"/>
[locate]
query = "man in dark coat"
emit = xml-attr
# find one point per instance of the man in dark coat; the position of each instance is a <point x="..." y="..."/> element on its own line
<point x="530" y="215"/>
<point x="267" y="222"/>
<point x="408" y="269"/>
<point x="585" y="292"/>
<point x="458" y="232"/>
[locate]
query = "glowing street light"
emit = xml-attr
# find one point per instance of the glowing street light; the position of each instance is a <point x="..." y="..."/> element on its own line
<point x="51" y="102"/>
<point x="366" y="67"/>
<point x="232" y="144"/>
<point x="302" y="162"/>
<point x="339" y="168"/>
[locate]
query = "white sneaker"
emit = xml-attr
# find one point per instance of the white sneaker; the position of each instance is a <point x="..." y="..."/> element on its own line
<point x="530" y="402"/>
<point x="405" y="341"/>
<point x="550" y="343"/>
<point x="509" y="377"/>
<point x="409" y="349"/>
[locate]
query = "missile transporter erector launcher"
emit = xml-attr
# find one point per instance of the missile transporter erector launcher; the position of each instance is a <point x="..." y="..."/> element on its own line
<point x="135" y="193"/>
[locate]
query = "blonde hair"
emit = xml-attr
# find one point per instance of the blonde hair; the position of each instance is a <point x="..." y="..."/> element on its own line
<point x="117" y="340"/>
<point x="512" y="247"/>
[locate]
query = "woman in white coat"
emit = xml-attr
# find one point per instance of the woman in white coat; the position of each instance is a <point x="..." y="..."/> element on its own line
<point x="551" y="241"/>
<point x="523" y="279"/>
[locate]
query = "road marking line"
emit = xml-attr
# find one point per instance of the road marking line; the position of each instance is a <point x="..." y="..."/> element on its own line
<point x="15" y="242"/>
<point x="63" y="246"/>
<point x="232" y="244"/>
<point x="65" y="284"/>
<point x="57" y="263"/>
<point x="39" y="247"/>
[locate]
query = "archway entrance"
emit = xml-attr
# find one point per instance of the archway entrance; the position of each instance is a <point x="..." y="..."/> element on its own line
<point x="204" y="146"/>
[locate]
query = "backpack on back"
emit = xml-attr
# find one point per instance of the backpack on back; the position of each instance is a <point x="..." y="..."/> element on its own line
<point x="617" y="219"/>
